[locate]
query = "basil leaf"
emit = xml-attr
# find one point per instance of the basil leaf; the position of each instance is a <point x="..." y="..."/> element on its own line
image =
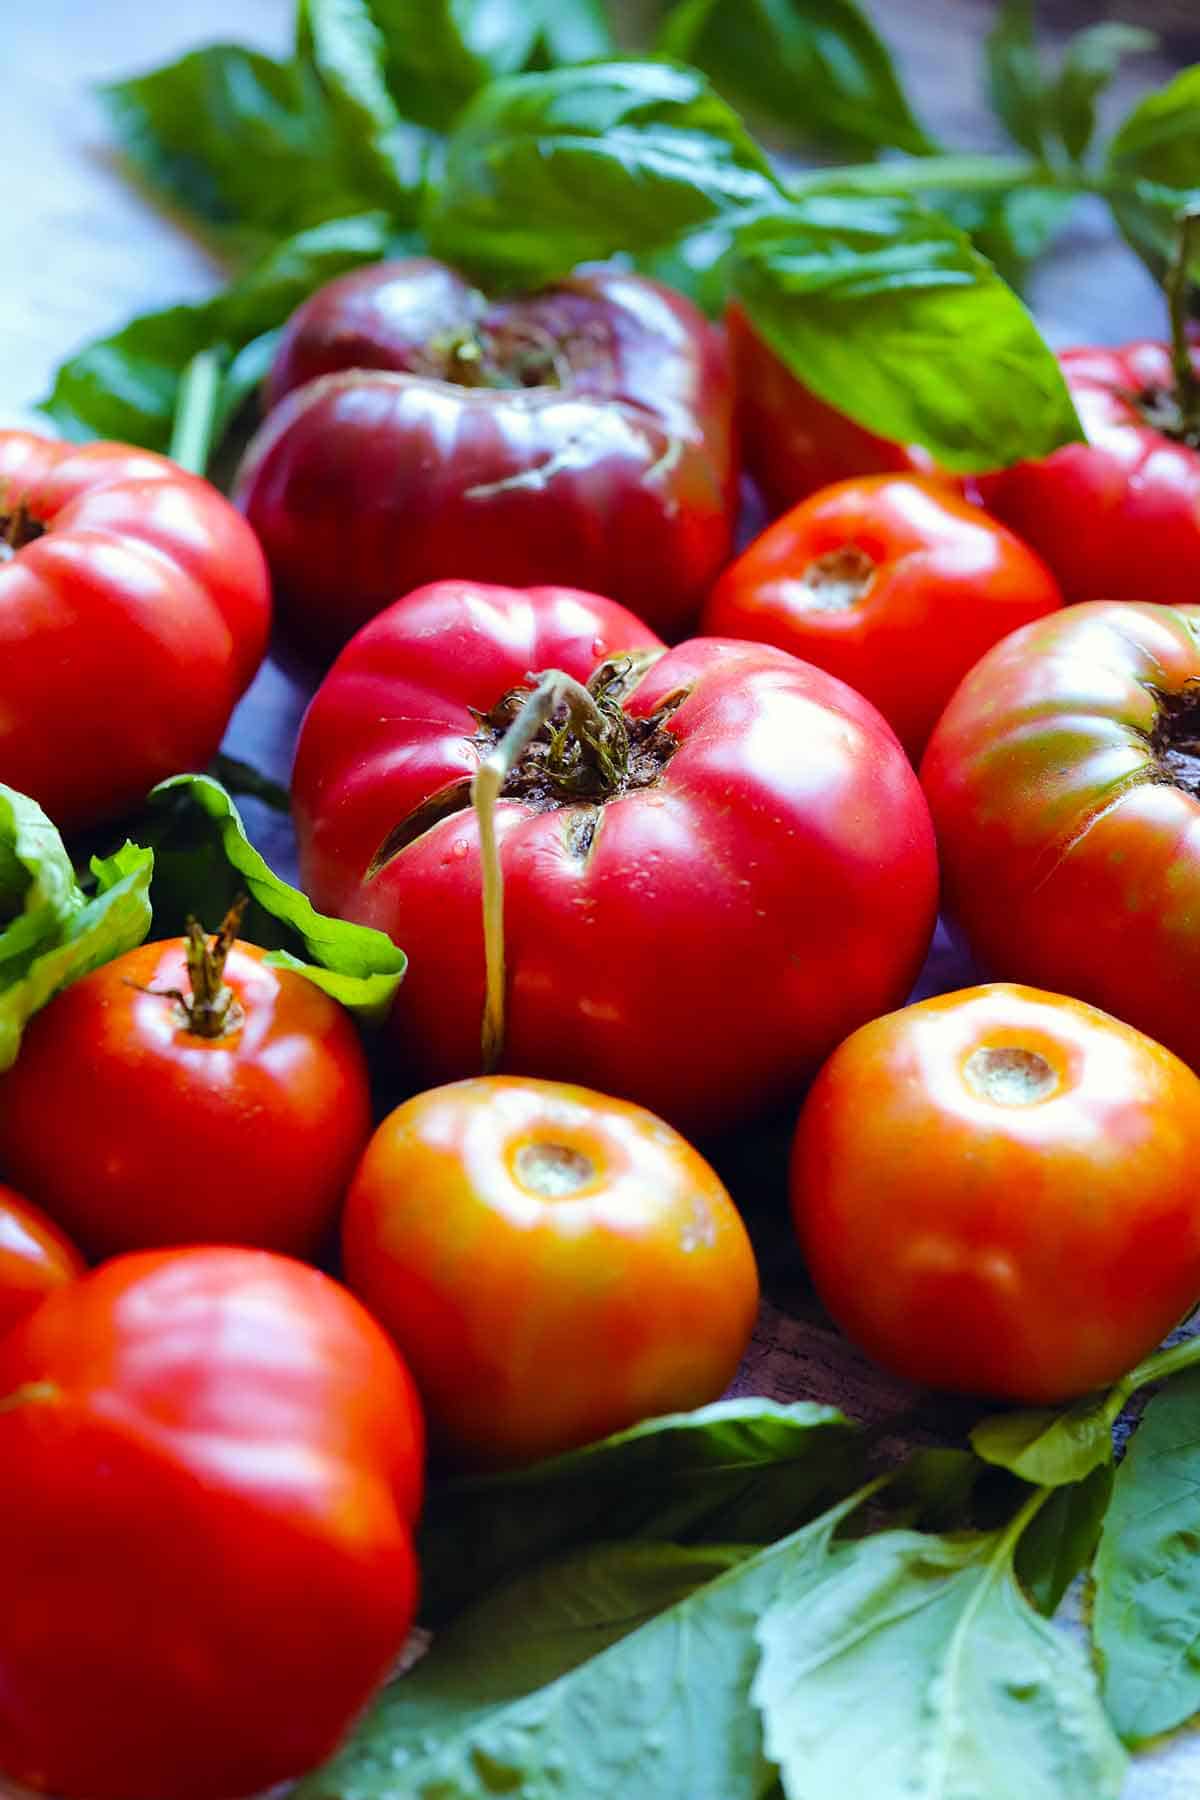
<point x="816" y="68"/>
<point x="1012" y="230"/>
<point x="51" y="931"/>
<point x="203" y="860"/>
<point x="888" y="313"/>
<point x="744" y="1469"/>
<point x="126" y="386"/>
<point x="1014" y="76"/>
<point x="574" y="31"/>
<point x="1061" y="1540"/>
<point x="1147" y="1578"/>
<point x="1090" y="61"/>
<point x="1155" y="161"/>
<point x="1047" y="1447"/>
<point x="548" y="170"/>
<point x="955" y="1685"/>
<point x="245" y="144"/>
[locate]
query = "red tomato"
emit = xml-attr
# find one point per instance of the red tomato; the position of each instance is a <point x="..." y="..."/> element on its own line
<point x="692" y="933"/>
<point x="581" y="434"/>
<point x="794" y="443"/>
<point x="35" y="1257"/>
<point x="554" y="1265"/>
<point x="1117" y="518"/>
<point x="246" y="1136"/>
<point x="893" y="583"/>
<point x="212" y="1465"/>
<point x="131" y="594"/>
<point x="1063" y="779"/>
<point x="996" y="1193"/>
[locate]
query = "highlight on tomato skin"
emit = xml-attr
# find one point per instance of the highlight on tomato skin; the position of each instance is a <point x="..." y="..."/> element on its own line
<point x="35" y="1257"/>
<point x="995" y="1192"/>
<point x="553" y="1264"/>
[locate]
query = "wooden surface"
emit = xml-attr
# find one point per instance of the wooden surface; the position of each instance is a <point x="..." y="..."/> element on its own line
<point x="83" y="250"/>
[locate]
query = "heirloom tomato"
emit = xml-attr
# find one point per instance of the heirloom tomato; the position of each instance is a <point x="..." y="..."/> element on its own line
<point x="554" y="1265"/>
<point x="212" y="1466"/>
<point x="1117" y="517"/>
<point x="892" y="582"/>
<point x="995" y="1192"/>
<point x="581" y="434"/>
<point x="142" y="1115"/>
<point x="1064" y="778"/>
<point x="134" y="610"/>
<point x="35" y="1257"/>
<point x="716" y="865"/>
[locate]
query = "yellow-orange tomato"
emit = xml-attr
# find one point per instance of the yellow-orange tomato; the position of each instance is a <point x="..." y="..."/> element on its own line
<point x="996" y="1192"/>
<point x="35" y="1257"/>
<point x="553" y="1264"/>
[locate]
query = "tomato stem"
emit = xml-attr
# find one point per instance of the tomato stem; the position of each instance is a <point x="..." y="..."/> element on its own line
<point x="211" y="1009"/>
<point x="1187" y="385"/>
<point x="197" y="406"/>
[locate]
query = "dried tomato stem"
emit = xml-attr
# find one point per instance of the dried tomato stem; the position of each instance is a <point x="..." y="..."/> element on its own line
<point x="1187" y="385"/>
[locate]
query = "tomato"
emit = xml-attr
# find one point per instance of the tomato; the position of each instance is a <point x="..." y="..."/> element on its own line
<point x="131" y="595"/>
<point x="698" y="908"/>
<point x="554" y="1265"/>
<point x="794" y="443"/>
<point x="35" y="1257"/>
<point x="891" y="582"/>
<point x="1117" y="517"/>
<point x="243" y="1127"/>
<point x="212" y="1466"/>
<point x="995" y="1191"/>
<point x="1063" y="780"/>
<point x="581" y="435"/>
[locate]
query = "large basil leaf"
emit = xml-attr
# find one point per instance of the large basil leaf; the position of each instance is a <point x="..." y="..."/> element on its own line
<point x="748" y="1470"/>
<point x="1154" y="162"/>
<point x="548" y="170"/>
<point x="815" y="68"/>
<point x="888" y="313"/>
<point x="51" y="929"/>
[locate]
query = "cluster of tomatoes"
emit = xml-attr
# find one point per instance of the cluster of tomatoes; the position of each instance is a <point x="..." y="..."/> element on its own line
<point x="656" y="884"/>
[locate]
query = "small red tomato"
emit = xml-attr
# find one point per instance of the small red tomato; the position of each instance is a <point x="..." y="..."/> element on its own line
<point x="995" y="1191"/>
<point x="35" y="1257"/>
<point x="236" y="1118"/>
<point x="893" y="583"/>
<point x="553" y="1264"/>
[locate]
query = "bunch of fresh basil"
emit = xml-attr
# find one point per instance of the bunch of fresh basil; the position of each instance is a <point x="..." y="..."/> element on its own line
<point x="512" y="137"/>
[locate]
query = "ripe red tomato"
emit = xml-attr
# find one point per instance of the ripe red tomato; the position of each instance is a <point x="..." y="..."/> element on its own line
<point x="129" y="592"/>
<point x="1063" y="780"/>
<point x="554" y="1265"/>
<point x="792" y="442"/>
<point x="1116" y="518"/>
<point x="581" y="434"/>
<point x="893" y="583"/>
<point x="693" y="926"/>
<point x="246" y="1136"/>
<point x="212" y="1466"/>
<point x="35" y="1257"/>
<point x="995" y="1192"/>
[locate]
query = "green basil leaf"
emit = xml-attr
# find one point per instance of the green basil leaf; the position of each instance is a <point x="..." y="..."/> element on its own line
<point x="1016" y="86"/>
<point x="51" y="930"/>
<point x="1049" y="1447"/>
<point x="1090" y="61"/>
<point x="1155" y="159"/>
<point x="548" y="170"/>
<point x="817" y="69"/>
<point x="1147" y="1575"/>
<point x="954" y="1684"/>
<point x="1012" y="230"/>
<point x="744" y="1469"/>
<point x="247" y="145"/>
<point x="125" y="386"/>
<point x="575" y="31"/>
<point x="203" y="860"/>
<point x="888" y="313"/>
<point x="1061" y="1540"/>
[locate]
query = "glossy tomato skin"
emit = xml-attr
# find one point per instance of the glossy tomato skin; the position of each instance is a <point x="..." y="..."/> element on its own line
<point x="1117" y="517"/>
<point x="213" y="1480"/>
<point x="1070" y="852"/>
<point x="694" y="945"/>
<point x="995" y="1193"/>
<point x="141" y="596"/>
<point x="792" y="442"/>
<point x="587" y="440"/>
<point x="35" y="1257"/>
<point x="248" y="1138"/>
<point x="893" y="583"/>
<point x="553" y="1264"/>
